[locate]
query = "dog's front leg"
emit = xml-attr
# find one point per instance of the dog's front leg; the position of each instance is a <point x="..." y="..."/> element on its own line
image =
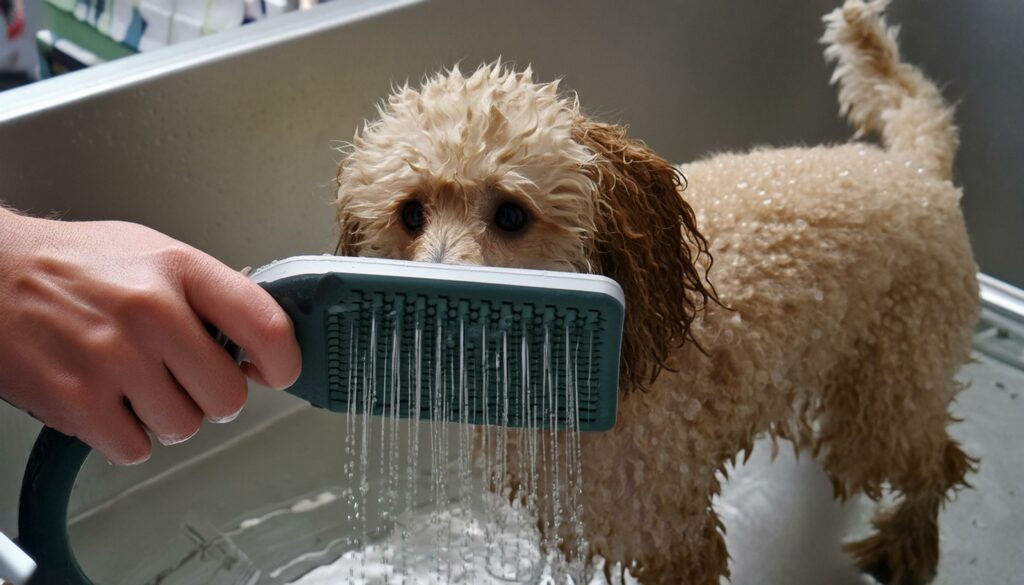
<point x="648" y="500"/>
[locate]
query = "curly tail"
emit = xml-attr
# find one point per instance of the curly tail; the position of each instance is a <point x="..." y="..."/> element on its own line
<point x="880" y="93"/>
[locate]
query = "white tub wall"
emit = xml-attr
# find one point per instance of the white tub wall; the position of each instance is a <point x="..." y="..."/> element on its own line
<point x="234" y="155"/>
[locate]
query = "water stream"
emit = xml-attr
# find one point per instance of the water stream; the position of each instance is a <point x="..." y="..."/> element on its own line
<point x="426" y="493"/>
<point x="444" y="369"/>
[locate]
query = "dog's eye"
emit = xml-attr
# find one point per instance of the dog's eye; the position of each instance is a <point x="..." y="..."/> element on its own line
<point x="510" y="217"/>
<point x="412" y="215"/>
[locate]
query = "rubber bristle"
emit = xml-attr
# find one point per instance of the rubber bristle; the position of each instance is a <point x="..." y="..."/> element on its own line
<point x="473" y="345"/>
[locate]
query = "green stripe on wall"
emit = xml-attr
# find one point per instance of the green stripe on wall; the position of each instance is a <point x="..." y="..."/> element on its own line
<point x="64" y="24"/>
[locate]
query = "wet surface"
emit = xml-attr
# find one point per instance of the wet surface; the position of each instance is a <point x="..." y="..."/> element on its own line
<point x="783" y="526"/>
<point x="269" y="510"/>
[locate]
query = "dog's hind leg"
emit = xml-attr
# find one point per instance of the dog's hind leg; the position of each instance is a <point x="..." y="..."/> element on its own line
<point x="883" y="422"/>
<point x="883" y="419"/>
<point x="904" y="547"/>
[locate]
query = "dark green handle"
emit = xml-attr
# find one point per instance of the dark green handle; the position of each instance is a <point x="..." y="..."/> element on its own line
<point x="50" y="475"/>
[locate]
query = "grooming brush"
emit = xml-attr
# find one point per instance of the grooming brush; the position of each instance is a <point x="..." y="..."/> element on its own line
<point x="465" y="344"/>
<point x="405" y="339"/>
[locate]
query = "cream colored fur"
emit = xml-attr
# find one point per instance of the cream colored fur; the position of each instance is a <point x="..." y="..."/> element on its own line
<point x="845" y="278"/>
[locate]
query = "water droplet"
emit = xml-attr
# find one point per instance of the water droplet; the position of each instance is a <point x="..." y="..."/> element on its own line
<point x="691" y="409"/>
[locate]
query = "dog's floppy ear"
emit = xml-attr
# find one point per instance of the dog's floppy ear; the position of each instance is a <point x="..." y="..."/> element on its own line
<point x="349" y="228"/>
<point x="348" y="234"/>
<point x="646" y="240"/>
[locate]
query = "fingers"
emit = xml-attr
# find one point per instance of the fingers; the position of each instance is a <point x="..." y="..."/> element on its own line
<point x="164" y="408"/>
<point x="206" y="372"/>
<point x="251" y="372"/>
<point x="119" y="436"/>
<point x="249" y="316"/>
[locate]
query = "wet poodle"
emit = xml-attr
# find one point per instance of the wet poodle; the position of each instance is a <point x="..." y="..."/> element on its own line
<point x="823" y="295"/>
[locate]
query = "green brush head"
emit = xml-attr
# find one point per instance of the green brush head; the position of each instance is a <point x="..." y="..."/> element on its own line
<point x="482" y="346"/>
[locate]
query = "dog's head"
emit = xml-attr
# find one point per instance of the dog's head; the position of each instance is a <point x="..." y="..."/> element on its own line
<point x="499" y="170"/>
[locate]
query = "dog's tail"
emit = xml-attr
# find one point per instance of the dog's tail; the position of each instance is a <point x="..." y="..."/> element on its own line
<point x="880" y="93"/>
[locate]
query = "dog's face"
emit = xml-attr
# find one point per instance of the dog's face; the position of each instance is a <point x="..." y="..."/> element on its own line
<point x="477" y="170"/>
<point x="498" y="170"/>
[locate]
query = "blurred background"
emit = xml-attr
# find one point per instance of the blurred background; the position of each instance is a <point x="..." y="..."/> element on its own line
<point x="745" y="75"/>
<point x="215" y="121"/>
<point x="50" y="37"/>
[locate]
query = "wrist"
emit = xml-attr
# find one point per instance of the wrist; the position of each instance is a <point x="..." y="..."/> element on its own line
<point x="9" y="229"/>
<point x="19" y="236"/>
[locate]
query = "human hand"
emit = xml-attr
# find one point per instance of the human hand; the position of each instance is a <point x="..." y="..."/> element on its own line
<point x="102" y="333"/>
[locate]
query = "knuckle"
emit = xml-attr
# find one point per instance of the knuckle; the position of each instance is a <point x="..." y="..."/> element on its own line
<point x="144" y="300"/>
<point x="107" y="343"/>
<point x="274" y="328"/>
<point x="179" y="257"/>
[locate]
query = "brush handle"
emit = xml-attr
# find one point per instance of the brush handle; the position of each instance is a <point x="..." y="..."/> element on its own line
<point x="46" y="487"/>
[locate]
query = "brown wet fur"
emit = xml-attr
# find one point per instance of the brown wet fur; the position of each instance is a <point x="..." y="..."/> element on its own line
<point x="648" y="243"/>
<point x="844" y="290"/>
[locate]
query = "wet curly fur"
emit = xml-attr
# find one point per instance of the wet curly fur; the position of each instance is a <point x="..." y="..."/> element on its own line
<point x="843" y="298"/>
